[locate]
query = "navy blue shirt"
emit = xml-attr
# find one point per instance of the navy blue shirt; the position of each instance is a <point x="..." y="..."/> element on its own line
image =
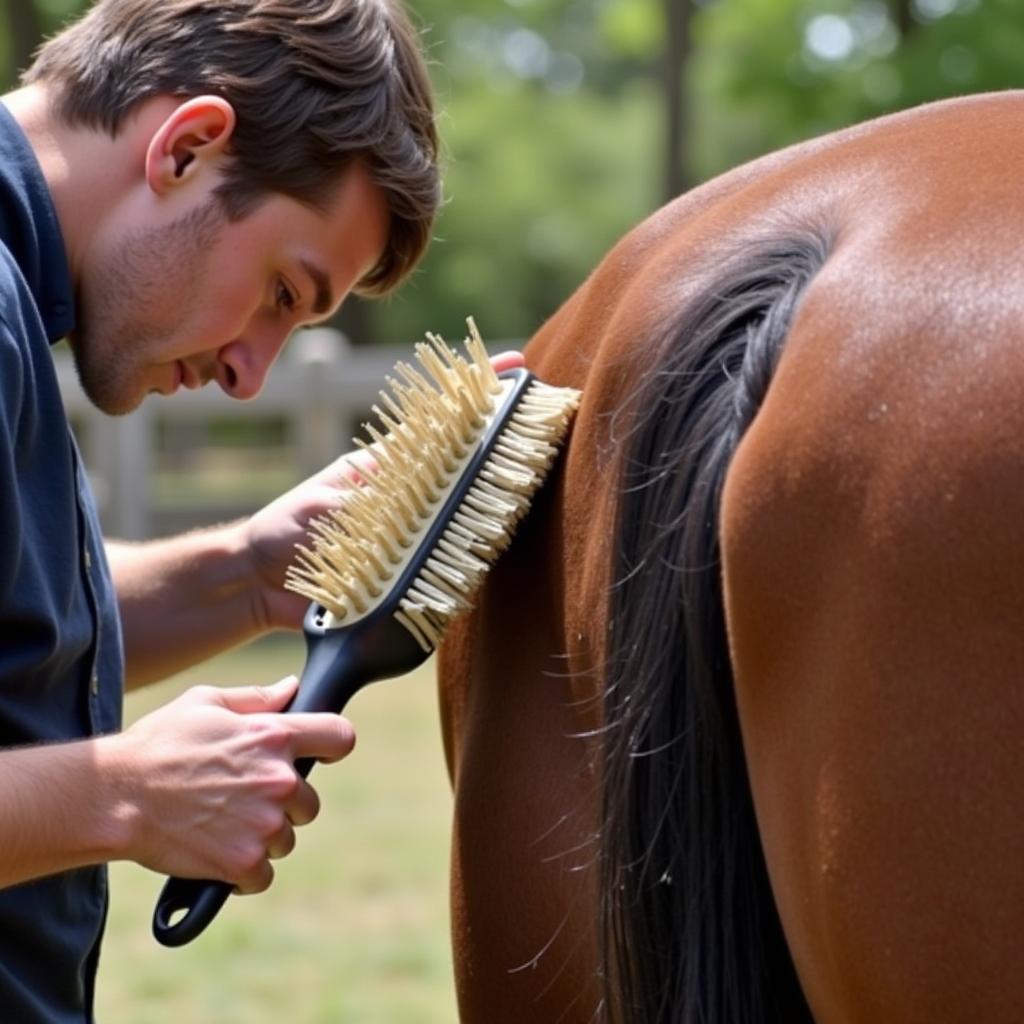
<point x="61" y="661"/>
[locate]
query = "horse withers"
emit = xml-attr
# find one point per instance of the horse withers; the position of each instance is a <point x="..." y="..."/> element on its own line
<point x="736" y="729"/>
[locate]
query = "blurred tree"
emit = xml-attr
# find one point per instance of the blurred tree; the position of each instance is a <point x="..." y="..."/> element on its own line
<point x="25" y="29"/>
<point x="677" y="14"/>
<point x="23" y="24"/>
<point x="902" y="14"/>
<point x="771" y="72"/>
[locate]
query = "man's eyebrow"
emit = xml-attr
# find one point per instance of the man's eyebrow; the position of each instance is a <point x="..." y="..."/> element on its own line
<point x="323" y="300"/>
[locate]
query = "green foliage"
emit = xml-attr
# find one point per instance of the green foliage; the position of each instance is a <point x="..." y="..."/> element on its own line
<point x="25" y="24"/>
<point x="54" y="13"/>
<point x="536" y="188"/>
<point x="632" y="29"/>
<point x="769" y="72"/>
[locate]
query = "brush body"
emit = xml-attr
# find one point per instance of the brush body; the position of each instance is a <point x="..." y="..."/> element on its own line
<point x="355" y="636"/>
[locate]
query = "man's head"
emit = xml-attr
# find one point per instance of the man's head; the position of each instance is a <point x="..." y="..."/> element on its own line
<point x="316" y="85"/>
<point x="226" y="172"/>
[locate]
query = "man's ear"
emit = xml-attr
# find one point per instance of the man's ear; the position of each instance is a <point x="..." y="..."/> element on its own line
<point x="189" y="141"/>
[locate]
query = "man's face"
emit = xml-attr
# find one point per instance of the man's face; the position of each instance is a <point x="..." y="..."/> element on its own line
<point x="199" y="298"/>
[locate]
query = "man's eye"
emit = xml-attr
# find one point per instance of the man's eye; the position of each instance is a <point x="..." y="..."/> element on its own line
<point x="285" y="299"/>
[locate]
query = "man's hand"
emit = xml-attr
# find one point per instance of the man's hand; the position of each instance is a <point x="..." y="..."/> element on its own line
<point x="273" y="532"/>
<point x="205" y="787"/>
<point x="210" y="787"/>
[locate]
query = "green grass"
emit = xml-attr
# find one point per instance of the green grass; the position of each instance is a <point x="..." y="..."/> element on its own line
<point x="355" y="926"/>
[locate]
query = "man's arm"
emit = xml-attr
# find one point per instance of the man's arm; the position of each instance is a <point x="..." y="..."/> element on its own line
<point x="187" y="598"/>
<point x="184" y="599"/>
<point x="204" y="787"/>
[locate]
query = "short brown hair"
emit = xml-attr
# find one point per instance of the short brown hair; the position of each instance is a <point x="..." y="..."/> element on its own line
<point x="316" y="85"/>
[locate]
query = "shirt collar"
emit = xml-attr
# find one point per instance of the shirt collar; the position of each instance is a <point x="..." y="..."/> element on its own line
<point x="30" y="229"/>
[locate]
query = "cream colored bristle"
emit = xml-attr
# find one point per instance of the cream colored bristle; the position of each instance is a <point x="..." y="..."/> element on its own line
<point x="429" y="427"/>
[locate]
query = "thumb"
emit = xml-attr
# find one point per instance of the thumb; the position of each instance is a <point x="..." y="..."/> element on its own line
<point x="354" y="467"/>
<point x="254" y="699"/>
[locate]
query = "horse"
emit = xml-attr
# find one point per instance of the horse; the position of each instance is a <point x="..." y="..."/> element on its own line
<point x="736" y="727"/>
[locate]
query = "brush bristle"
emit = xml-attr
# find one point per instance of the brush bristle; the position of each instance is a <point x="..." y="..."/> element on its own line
<point x="429" y="429"/>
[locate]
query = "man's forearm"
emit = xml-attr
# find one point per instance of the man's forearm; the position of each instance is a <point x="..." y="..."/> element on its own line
<point x="60" y="809"/>
<point x="184" y="599"/>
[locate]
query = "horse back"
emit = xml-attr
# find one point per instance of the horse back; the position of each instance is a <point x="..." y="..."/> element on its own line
<point x="886" y="437"/>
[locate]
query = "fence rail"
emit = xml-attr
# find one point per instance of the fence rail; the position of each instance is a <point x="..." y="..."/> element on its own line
<point x="322" y="388"/>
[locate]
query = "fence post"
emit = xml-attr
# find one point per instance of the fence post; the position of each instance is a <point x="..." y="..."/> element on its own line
<point x="319" y="407"/>
<point x="126" y="469"/>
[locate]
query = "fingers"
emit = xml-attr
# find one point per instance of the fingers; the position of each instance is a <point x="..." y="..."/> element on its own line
<point x="321" y="735"/>
<point x="304" y="806"/>
<point x="300" y="810"/>
<point x="283" y="843"/>
<point x="353" y="468"/>
<point x="348" y="470"/>
<point x="356" y="466"/>
<point x="257" y="879"/>
<point x="247" y="700"/>
<point x="324" y="736"/>
<point x="255" y="872"/>
<point x="507" y="361"/>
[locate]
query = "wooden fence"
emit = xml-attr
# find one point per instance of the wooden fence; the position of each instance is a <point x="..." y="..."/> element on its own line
<point x="322" y="388"/>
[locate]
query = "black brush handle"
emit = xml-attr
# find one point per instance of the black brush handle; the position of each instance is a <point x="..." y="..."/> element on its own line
<point x="339" y="663"/>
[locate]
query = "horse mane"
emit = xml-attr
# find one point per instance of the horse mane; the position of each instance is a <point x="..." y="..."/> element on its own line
<point x="690" y="928"/>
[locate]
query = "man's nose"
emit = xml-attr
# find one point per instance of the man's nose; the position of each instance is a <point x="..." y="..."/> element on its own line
<point x="242" y="365"/>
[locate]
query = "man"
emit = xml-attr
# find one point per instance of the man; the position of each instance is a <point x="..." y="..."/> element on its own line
<point x="181" y="185"/>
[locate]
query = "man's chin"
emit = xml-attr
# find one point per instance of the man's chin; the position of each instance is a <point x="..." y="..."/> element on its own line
<point x="113" y="393"/>
<point x="123" y="408"/>
<point x="111" y="403"/>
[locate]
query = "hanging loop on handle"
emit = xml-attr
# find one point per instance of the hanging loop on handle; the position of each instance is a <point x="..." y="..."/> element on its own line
<point x="199" y="898"/>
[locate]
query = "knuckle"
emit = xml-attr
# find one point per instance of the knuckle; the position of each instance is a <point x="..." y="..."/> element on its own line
<point x="274" y="735"/>
<point x="265" y="696"/>
<point x="260" y="726"/>
<point x="246" y="861"/>
<point x="283" y="782"/>
<point x="269" y="824"/>
<point x="202" y="693"/>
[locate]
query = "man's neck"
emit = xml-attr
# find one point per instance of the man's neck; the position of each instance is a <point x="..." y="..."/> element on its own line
<point x="88" y="172"/>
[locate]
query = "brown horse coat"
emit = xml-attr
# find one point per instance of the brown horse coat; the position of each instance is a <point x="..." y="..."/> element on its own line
<point x="872" y="542"/>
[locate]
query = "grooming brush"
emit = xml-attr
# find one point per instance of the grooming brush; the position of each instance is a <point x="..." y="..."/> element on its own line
<point x="461" y="451"/>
